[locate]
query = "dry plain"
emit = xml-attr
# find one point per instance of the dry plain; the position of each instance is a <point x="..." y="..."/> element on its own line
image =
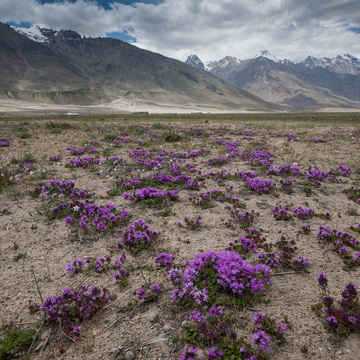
<point x="35" y="246"/>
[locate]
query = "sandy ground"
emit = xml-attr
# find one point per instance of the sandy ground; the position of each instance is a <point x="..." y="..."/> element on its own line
<point x="120" y="328"/>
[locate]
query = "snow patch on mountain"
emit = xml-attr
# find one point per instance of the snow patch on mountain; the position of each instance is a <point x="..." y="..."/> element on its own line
<point x="33" y="32"/>
<point x="267" y="55"/>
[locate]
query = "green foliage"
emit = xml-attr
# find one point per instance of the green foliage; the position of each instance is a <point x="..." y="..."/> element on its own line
<point x="14" y="341"/>
<point x="19" y="256"/>
<point x="171" y="137"/>
<point x="116" y="191"/>
<point x="158" y="126"/>
<point x="107" y="151"/>
<point x="165" y="213"/>
<point x="4" y="179"/>
<point x="58" y="126"/>
<point x="353" y="212"/>
<point x="110" y="137"/>
<point x="27" y="158"/>
<point x="149" y="267"/>
<point x="24" y="135"/>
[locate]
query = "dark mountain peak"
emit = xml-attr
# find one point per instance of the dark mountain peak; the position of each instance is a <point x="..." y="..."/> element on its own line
<point x="47" y="32"/>
<point x="63" y="36"/>
<point x="311" y="61"/>
<point x="194" y="61"/>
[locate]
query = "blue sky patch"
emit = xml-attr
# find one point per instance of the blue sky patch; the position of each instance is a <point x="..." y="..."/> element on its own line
<point x="124" y="36"/>
<point x="105" y="3"/>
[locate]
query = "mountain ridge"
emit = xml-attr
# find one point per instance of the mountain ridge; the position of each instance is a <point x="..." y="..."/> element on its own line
<point x="312" y="83"/>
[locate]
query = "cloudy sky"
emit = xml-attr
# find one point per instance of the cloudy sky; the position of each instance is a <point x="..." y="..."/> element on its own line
<point x="212" y="29"/>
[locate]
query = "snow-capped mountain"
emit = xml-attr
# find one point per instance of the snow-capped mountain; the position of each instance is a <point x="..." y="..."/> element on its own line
<point x="312" y="82"/>
<point x="33" y="32"/>
<point x="266" y="54"/>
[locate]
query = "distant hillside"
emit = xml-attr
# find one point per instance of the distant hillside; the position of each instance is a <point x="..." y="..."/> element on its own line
<point x="75" y="68"/>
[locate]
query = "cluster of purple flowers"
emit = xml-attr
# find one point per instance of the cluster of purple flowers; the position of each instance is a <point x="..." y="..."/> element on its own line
<point x="151" y="193"/>
<point x="120" y="140"/>
<point x="316" y="176"/>
<point x="344" y="171"/>
<point x="269" y="330"/>
<point x="282" y="214"/>
<point x="165" y="259"/>
<point x="262" y="339"/>
<point x="246" y="174"/>
<point x="231" y="271"/>
<point x="74" y="151"/>
<point x="59" y="189"/>
<point x="345" y="318"/>
<point x="192" y="153"/>
<point x="189" y="354"/>
<point x="287" y="249"/>
<point x="85" y="214"/>
<point x="303" y="213"/>
<point x="5" y="142"/>
<point x="353" y="193"/>
<point x="85" y="162"/>
<point x="73" y="307"/>
<point x="191" y="223"/>
<point x="138" y="234"/>
<point x="218" y="195"/>
<point x="290" y="137"/>
<point x="259" y="157"/>
<point x="54" y="158"/>
<point x="116" y="162"/>
<point x="101" y="264"/>
<point x="285" y="169"/>
<point x="214" y="353"/>
<point x="318" y="140"/>
<point x="218" y="161"/>
<point x="152" y="295"/>
<point x="270" y="259"/>
<point x="287" y="185"/>
<point x="242" y="246"/>
<point x="136" y="183"/>
<point x="340" y="241"/>
<point x="260" y="185"/>
<point x="192" y="184"/>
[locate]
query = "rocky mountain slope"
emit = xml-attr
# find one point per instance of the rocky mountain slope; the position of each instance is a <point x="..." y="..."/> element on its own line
<point x="102" y="69"/>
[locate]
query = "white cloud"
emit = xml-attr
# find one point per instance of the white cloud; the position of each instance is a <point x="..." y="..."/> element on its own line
<point x="210" y="28"/>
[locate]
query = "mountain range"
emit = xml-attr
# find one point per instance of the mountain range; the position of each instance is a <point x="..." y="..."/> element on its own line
<point x="310" y="84"/>
<point x="64" y="67"/>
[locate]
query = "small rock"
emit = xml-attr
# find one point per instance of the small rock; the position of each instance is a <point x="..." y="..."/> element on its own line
<point x="166" y="328"/>
<point x="153" y="316"/>
<point x="339" y="352"/>
<point x="129" y="355"/>
<point x="184" y="323"/>
<point x="186" y="241"/>
<point x="200" y="250"/>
